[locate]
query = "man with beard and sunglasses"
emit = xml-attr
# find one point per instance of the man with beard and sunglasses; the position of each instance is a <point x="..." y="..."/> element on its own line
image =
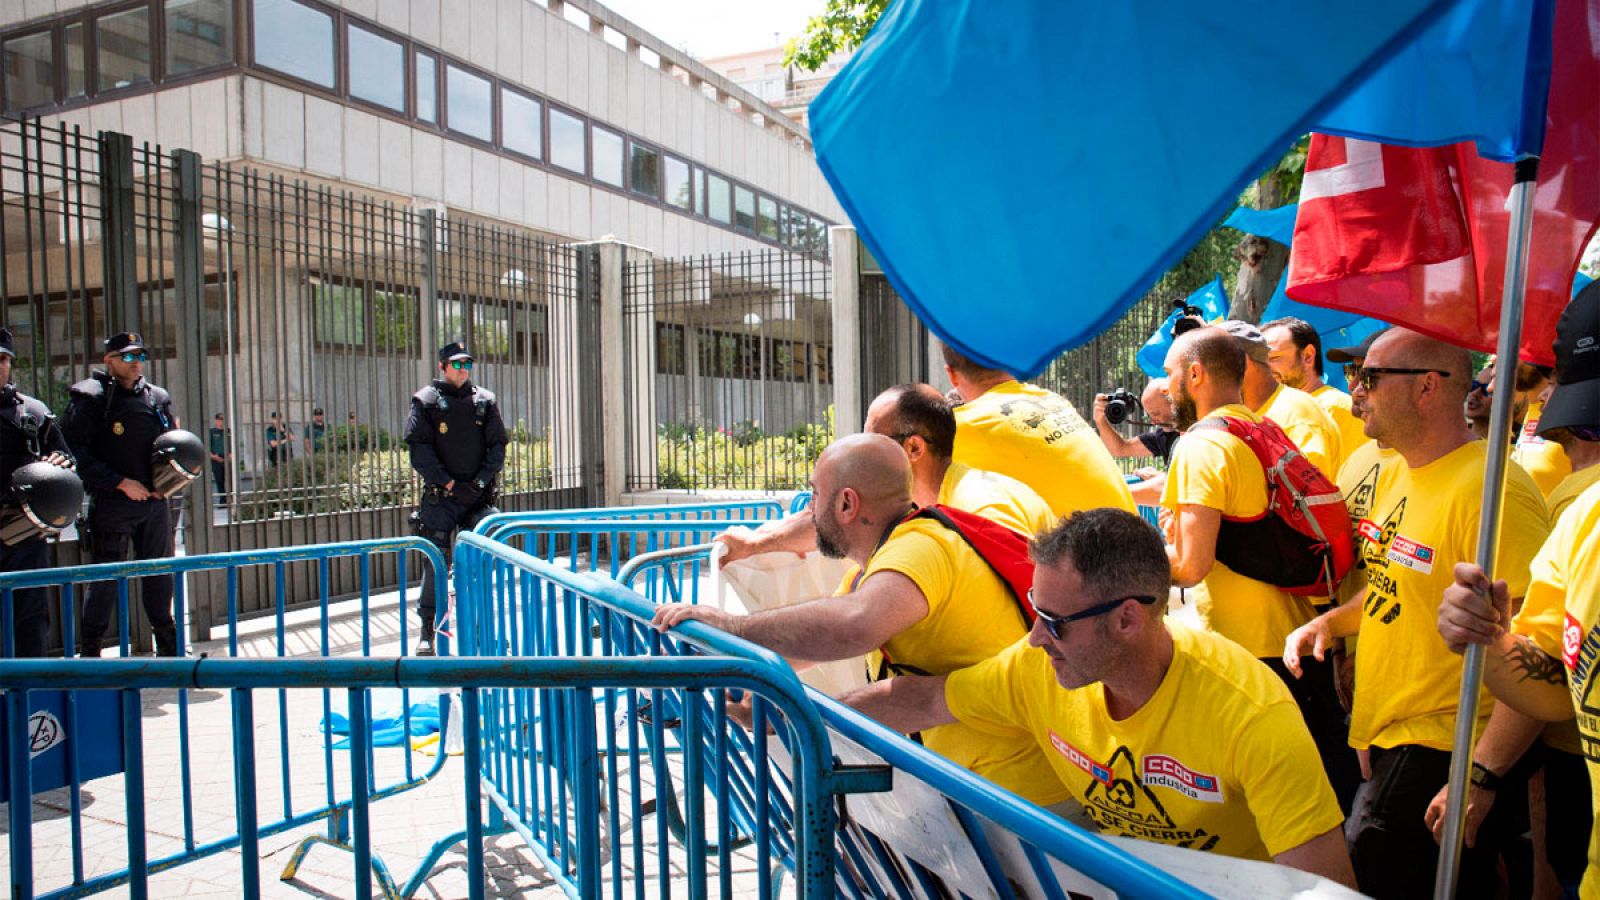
<point x="1162" y="732"/>
<point x="924" y="603"/>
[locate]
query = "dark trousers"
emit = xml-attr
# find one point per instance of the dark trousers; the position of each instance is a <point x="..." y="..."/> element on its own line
<point x="116" y="527"/>
<point x="1390" y="844"/>
<point x="1325" y="718"/>
<point x="30" y="607"/>
<point x="219" y="478"/>
<point x="1569" y="818"/>
<point x="440" y="516"/>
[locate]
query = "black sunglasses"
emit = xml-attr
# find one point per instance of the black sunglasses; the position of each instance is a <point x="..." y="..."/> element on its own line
<point x="139" y="356"/>
<point x="1367" y="376"/>
<point x="1054" y="624"/>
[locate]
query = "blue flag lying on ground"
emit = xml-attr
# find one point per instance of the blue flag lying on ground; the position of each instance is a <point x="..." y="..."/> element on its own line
<point x="1049" y="159"/>
<point x="1212" y="299"/>
<point x="387" y="709"/>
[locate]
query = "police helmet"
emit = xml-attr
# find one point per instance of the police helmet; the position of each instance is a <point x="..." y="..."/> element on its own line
<point x="175" y="460"/>
<point x="44" y="499"/>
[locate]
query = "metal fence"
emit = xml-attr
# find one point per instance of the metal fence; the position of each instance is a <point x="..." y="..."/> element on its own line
<point x="1109" y="361"/>
<point x="734" y="356"/>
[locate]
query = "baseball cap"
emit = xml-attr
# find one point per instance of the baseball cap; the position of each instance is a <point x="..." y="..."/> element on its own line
<point x="1249" y="339"/>
<point x="453" y="350"/>
<point x="1575" y="402"/>
<point x="1343" y="355"/>
<point x="6" y="345"/>
<point x="125" y="342"/>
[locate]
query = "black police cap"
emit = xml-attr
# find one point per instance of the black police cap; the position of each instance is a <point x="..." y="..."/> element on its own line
<point x="126" y="342"/>
<point x="453" y="350"/>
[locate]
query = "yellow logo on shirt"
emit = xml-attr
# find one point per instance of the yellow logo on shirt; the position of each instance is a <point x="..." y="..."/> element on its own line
<point x="444" y="427"/>
<point x="117" y="429"/>
<point x="1123" y="803"/>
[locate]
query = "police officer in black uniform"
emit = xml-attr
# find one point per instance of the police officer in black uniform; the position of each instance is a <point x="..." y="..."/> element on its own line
<point x="458" y="446"/>
<point x="113" y="418"/>
<point x="28" y="434"/>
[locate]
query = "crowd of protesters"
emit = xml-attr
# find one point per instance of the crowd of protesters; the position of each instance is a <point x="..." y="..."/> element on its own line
<point x="1150" y="681"/>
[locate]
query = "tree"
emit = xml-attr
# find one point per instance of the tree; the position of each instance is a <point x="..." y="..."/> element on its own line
<point x="843" y="25"/>
<point x="1261" y="261"/>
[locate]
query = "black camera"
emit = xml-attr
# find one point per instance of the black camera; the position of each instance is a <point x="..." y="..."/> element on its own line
<point x="1120" y="404"/>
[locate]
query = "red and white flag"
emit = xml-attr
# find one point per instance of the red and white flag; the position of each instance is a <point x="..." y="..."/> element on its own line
<point x="1417" y="237"/>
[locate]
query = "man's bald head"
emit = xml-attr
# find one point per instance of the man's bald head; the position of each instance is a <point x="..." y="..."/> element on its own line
<point x="1215" y="350"/>
<point x="915" y="410"/>
<point x="872" y="465"/>
<point x="1407" y="349"/>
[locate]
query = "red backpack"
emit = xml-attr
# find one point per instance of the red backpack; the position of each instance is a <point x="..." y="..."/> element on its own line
<point x="1303" y="541"/>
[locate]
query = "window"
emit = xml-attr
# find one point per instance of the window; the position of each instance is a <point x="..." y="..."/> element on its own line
<point x="123" y="41"/>
<point x="566" y="141"/>
<point x="786" y="230"/>
<point x="468" y="104"/>
<point x="744" y="209"/>
<point x="427" y="89"/>
<point x="199" y="34"/>
<point x="698" y="179"/>
<point x="395" y="320"/>
<point x="607" y="156"/>
<point x="644" y="170"/>
<point x="717" y="197"/>
<point x="676" y="183"/>
<point x="767" y="218"/>
<point x="670" y="357"/>
<point x="377" y="70"/>
<point x="818" y="238"/>
<point x="521" y="124"/>
<point x="340" y="314"/>
<point x="30" y="70"/>
<point x="294" y="39"/>
<point x="77" y="62"/>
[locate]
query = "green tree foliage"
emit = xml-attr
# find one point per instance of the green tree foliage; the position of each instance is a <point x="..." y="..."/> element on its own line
<point x="843" y="25"/>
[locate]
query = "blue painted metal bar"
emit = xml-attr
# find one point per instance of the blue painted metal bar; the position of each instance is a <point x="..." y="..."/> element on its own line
<point x="132" y="779"/>
<point x="244" y="791"/>
<point x="21" y="810"/>
<point x="360" y="772"/>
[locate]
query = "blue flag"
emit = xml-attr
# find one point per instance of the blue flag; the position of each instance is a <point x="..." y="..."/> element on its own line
<point x="1026" y="169"/>
<point x="1480" y="73"/>
<point x="1212" y="300"/>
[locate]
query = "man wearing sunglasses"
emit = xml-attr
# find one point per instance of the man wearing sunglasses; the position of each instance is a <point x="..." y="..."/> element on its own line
<point x="112" y="421"/>
<point x="1421" y="524"/>
<point x="1160" y="732"/>
<point x="458" y="445"/>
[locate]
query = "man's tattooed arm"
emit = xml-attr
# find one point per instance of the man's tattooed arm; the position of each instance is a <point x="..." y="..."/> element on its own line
<point x="1529" y="663"/>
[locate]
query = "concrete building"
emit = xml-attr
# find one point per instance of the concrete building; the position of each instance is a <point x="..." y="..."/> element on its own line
<point x="558" y="116"/>
<point x="787" y="88"/>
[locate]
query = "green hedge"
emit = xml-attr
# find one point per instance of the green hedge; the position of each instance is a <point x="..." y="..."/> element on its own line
<point x="740" y="457"/>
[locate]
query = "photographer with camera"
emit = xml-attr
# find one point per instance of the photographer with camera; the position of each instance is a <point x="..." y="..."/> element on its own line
<point x="1121" y="406"/>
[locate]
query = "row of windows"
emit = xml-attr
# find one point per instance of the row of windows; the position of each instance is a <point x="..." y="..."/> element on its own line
<point x="360" y="315"/>
<point x="723" y="354"/>
<point x="113" y="49"/>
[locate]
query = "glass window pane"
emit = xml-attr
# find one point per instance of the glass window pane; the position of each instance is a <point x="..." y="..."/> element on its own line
<point x="566" y="141"/>
<point x="717" y="196"/>
<point x="77" y="63"/>
<point x="467" y="104"/>
<point x="607" y="157"/>
<point x="698" y="179"/>
<point x="767" y="218"/>
<point x="124" y="48"/>
<point x="675" y="187"/>
<point x="520" y="128"/>
<point x="199" y="34"/>
<point x="744" y="209"/>
<point x="377" y="70"/>
<point x="30" y="70"/>
<point x="294" y="39"/>
<point x="427" y="89"/>
<point x="644" y="170"/>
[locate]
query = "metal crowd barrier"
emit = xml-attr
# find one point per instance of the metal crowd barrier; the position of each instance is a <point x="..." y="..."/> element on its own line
<point x="485" y="684"/>
<point x="92" y="726"/>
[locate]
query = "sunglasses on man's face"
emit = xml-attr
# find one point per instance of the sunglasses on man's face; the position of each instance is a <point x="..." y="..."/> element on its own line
<point x="1056" y="625"/>
<point x="461" y="365"/>
<point x="1367" y="376"/>
<point x="138" y="357"/>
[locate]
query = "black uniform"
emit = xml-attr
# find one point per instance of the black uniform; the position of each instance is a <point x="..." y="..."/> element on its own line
<point x="28" y="433"/>
<point x="455" y="434"/>
<point x="111" y="430"/>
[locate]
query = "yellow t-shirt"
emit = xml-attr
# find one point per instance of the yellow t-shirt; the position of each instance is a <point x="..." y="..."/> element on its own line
<point x="1336" y="404"/>
<point x="1366" y="473"/>
<point x="995" y="497"/>
<point x="1562" y="616"/>
<point x="971" y="617"/>
<point x="1570" y="489"/>
<point x="1036" y="437"/>
<point x="1407" y="682"/>
<point x="1218" y="759"/>
<point x="1212" y="468"/>
<point x="1307" y="425"/>
<point x="1544" y="460"/>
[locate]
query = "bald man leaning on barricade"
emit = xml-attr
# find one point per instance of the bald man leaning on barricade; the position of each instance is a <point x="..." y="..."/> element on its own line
<point x="919" y="419"/>
<point x="1162" y="732"/>
<point x="925" y="603"/>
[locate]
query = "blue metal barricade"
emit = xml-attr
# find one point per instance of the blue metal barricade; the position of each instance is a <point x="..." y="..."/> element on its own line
<point x="801" y="501"/>
<point x="91" y="725"/>
<point x="484" y="683"/>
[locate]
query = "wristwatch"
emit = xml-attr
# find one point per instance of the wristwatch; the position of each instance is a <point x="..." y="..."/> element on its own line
<point x="1483" y="779"/>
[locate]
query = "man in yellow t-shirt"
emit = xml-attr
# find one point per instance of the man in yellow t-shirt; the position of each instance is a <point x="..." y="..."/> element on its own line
<point x="1544" y="459"/>
<point x="1407" y="684"/>
<point x="1295" y="357"/>
<point x="1034" y="436"/>
<point x="1293" y="410"/>
<point x="1215" y="475"/>
<point x="1161" y="732"/>
<point x="926" y="602"/>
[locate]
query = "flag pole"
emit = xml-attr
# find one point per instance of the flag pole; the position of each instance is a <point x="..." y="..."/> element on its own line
<point x="1494" y="481"/>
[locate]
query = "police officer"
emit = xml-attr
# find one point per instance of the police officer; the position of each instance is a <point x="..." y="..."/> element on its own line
<point x="113" y="418"/>
<point x="458" y="446"/>
<point x="28" y="433"/>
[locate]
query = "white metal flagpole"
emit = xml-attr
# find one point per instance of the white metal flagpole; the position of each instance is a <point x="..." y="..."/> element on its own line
<point x="1494" y="480"/>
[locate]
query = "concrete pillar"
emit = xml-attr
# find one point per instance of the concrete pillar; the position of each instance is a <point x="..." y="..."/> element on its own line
<point x="846" y="293"/>
<point x="637" y="422"/>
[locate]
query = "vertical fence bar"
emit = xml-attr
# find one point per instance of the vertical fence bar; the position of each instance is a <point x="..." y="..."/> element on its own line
<point x="360" y="744"/>
<point x="472" y="773"/>
<point x="244" y="787"/>
<point x="133" y="780"/>
<point x="20" y="790"/>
